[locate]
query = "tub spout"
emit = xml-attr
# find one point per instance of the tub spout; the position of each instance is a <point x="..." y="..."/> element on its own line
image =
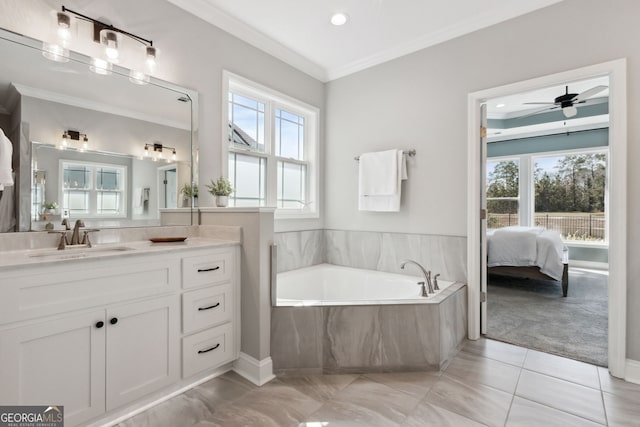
<point x="425" y="273"/>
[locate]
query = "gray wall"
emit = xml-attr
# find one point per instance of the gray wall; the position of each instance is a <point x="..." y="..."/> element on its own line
<point x="420" y="101"/>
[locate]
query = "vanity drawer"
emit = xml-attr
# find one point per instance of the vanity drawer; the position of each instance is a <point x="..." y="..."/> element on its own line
<point x="215" y="267"/>
<point x="207" y="349"/>
<point x="206" y="307"/>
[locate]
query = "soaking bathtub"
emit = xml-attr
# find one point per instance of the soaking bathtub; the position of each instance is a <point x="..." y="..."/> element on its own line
<point x="330" y="285"/>
<point x="334" y="319"/>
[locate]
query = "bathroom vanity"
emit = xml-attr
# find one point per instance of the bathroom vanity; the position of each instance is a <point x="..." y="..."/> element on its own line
<point x="101" y="329"/>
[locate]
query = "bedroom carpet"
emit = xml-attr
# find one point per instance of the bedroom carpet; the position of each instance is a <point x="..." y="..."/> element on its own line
<point x="533" y="314"/>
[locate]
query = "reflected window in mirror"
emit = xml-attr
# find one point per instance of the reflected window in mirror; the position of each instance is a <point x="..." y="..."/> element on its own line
<point x="93" y="190"/>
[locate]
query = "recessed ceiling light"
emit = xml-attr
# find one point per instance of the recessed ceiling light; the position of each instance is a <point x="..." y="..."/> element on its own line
<point x="500" y="105"/>
<point x="339" y="18"/>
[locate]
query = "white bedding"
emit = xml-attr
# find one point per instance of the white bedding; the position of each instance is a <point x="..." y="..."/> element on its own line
<point x="527" y="247"/>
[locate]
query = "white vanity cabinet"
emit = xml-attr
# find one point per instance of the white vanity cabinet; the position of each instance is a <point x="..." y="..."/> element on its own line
<point x="98" y="335"/>
<point x="210" y="310"/>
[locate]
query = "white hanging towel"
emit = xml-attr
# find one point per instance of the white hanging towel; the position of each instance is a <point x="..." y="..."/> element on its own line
<point x="6" y="154"/>
<point x="379" y="184"/>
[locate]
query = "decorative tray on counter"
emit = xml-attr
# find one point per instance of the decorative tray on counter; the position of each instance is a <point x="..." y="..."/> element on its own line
<point x="167" y="239"/>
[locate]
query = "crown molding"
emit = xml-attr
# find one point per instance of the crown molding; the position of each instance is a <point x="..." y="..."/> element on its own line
<point x="211" y="14"/>
<point x="466" y="27"/>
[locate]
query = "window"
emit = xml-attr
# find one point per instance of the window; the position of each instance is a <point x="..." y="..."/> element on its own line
<point x="93" y="190"/>
<point x="271" y="150"/>
<point x="570" y="194"/>
<point x="503" y="193"/>
<point x="561" y="191"/>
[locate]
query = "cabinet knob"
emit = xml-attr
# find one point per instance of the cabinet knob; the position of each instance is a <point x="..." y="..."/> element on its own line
<point x="113" y="320"/>
<point x="100" y="324"/>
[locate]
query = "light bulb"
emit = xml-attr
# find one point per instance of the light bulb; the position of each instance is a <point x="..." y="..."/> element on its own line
<point x="569" y="111"/>
<point x="64" y="27"/>
<point x="150" y="61"/>
<point x="65" y="140"/>
<point x="85" y="143"/>
<point x="173" y="156"/>
<point x="110" y="40"/>
<point x="146" y="151"/>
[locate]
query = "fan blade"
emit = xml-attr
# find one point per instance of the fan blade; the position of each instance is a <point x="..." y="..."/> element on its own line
<point x="539" y="110"/>
<point x="538" y="103"/>
<point x="589" y="93"/>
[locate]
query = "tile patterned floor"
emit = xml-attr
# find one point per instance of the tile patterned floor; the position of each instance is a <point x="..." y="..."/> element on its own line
<point x="489" y="383"/>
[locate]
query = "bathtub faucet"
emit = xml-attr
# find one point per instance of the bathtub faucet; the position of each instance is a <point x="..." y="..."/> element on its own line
<point x="427" y="275"/>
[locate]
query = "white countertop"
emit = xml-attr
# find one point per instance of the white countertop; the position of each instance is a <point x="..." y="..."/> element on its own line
<point x="52" y="256"/>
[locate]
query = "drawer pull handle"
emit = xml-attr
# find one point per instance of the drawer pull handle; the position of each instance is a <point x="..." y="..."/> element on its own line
<point x="202" y="270"/>
<point x="208" y="308"/>
<point x="99" y="324"/>
<point x="209" y="349"/>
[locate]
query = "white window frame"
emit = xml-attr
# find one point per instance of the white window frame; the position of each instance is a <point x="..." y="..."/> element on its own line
<point x="276" y="100"/>
<point x="93" y="192"/>
<point x="527" y="187"/>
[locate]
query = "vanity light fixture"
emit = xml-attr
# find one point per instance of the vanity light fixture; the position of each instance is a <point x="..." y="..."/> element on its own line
<point x="110" y="38"/>
<point x="157" y="151"/>
<point x="68" y="138"/>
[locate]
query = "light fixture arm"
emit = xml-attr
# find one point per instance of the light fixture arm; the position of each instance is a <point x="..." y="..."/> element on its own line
<point x="99" y="25"/>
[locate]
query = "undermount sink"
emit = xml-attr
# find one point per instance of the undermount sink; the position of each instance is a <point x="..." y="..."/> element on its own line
<point x="71" y="252"/>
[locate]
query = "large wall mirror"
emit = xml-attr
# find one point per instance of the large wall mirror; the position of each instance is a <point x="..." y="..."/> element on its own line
<point x="95" y="147"/>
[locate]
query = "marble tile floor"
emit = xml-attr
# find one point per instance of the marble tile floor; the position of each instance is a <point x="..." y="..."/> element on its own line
<point x="489" y="383"/>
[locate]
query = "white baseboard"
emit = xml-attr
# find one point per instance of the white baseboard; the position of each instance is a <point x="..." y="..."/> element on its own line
<point x="588" y="264"/>
<point x="257" y="371"/>
<point x="632" y="371"/>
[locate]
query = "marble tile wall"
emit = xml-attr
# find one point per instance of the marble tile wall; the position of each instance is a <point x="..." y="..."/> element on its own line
<point x="377" y="338"/>
<point x="298" y="249"/>
<point x="446" y="255"/>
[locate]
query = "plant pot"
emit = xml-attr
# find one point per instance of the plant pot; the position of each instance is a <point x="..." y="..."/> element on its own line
<point x="185" y="203"/>
<point x="222" y="201"/>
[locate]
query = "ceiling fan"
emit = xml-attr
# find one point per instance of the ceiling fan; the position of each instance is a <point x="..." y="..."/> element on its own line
<point x="568" y="100"/>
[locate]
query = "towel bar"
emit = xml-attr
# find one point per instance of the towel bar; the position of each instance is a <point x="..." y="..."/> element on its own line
<point x="405" y="152"/>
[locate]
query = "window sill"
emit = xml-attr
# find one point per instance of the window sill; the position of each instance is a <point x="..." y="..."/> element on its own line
<point x="280" y="214"/>
<point x="586" y="244"/>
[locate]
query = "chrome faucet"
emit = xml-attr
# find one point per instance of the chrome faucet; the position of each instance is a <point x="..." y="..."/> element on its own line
<point x="435" y="282"/>
<point x="75" y="237"/>
<point x="426" y="274"/>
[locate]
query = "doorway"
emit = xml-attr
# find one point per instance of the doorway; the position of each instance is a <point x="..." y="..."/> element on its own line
<point x="168" y="186"/>
<point x="616" y="72"/>
<point x="546" y="192"/>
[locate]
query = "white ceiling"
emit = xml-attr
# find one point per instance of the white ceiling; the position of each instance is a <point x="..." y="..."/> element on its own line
<point x="299" y="32"/>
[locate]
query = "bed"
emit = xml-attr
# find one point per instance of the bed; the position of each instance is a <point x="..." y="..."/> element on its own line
<point x="528" y="252"/>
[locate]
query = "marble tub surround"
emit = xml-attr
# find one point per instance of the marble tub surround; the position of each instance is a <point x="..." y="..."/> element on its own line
<point x="381" y="251"/>
<point x="473" y="390"/>
<point x="299" y="249"/>
<point x="373" y="250"/>
<point x="369" y="338"/>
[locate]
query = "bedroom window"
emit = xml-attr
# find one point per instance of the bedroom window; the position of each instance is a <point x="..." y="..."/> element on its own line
<point x="272" y="149"/>
<point x="571" y="195"/>
<point x="503" y="193"/>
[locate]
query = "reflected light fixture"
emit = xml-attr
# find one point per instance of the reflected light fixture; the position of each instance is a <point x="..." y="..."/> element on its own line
<point x="71" y="136"/>
<point x="157" y="151"/>
<point x="101" y="66"/>
<point x="339" y="18"/>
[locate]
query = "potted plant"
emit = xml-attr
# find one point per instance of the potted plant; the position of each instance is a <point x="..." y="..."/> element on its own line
<point x="188" y="191"/>
<point x="50" y="207"/>
<point x="221" y="190"/>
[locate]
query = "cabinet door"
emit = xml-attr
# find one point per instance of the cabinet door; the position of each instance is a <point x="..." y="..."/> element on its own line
<point x="56" y="362"/>
<point x="142" y="349"/>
